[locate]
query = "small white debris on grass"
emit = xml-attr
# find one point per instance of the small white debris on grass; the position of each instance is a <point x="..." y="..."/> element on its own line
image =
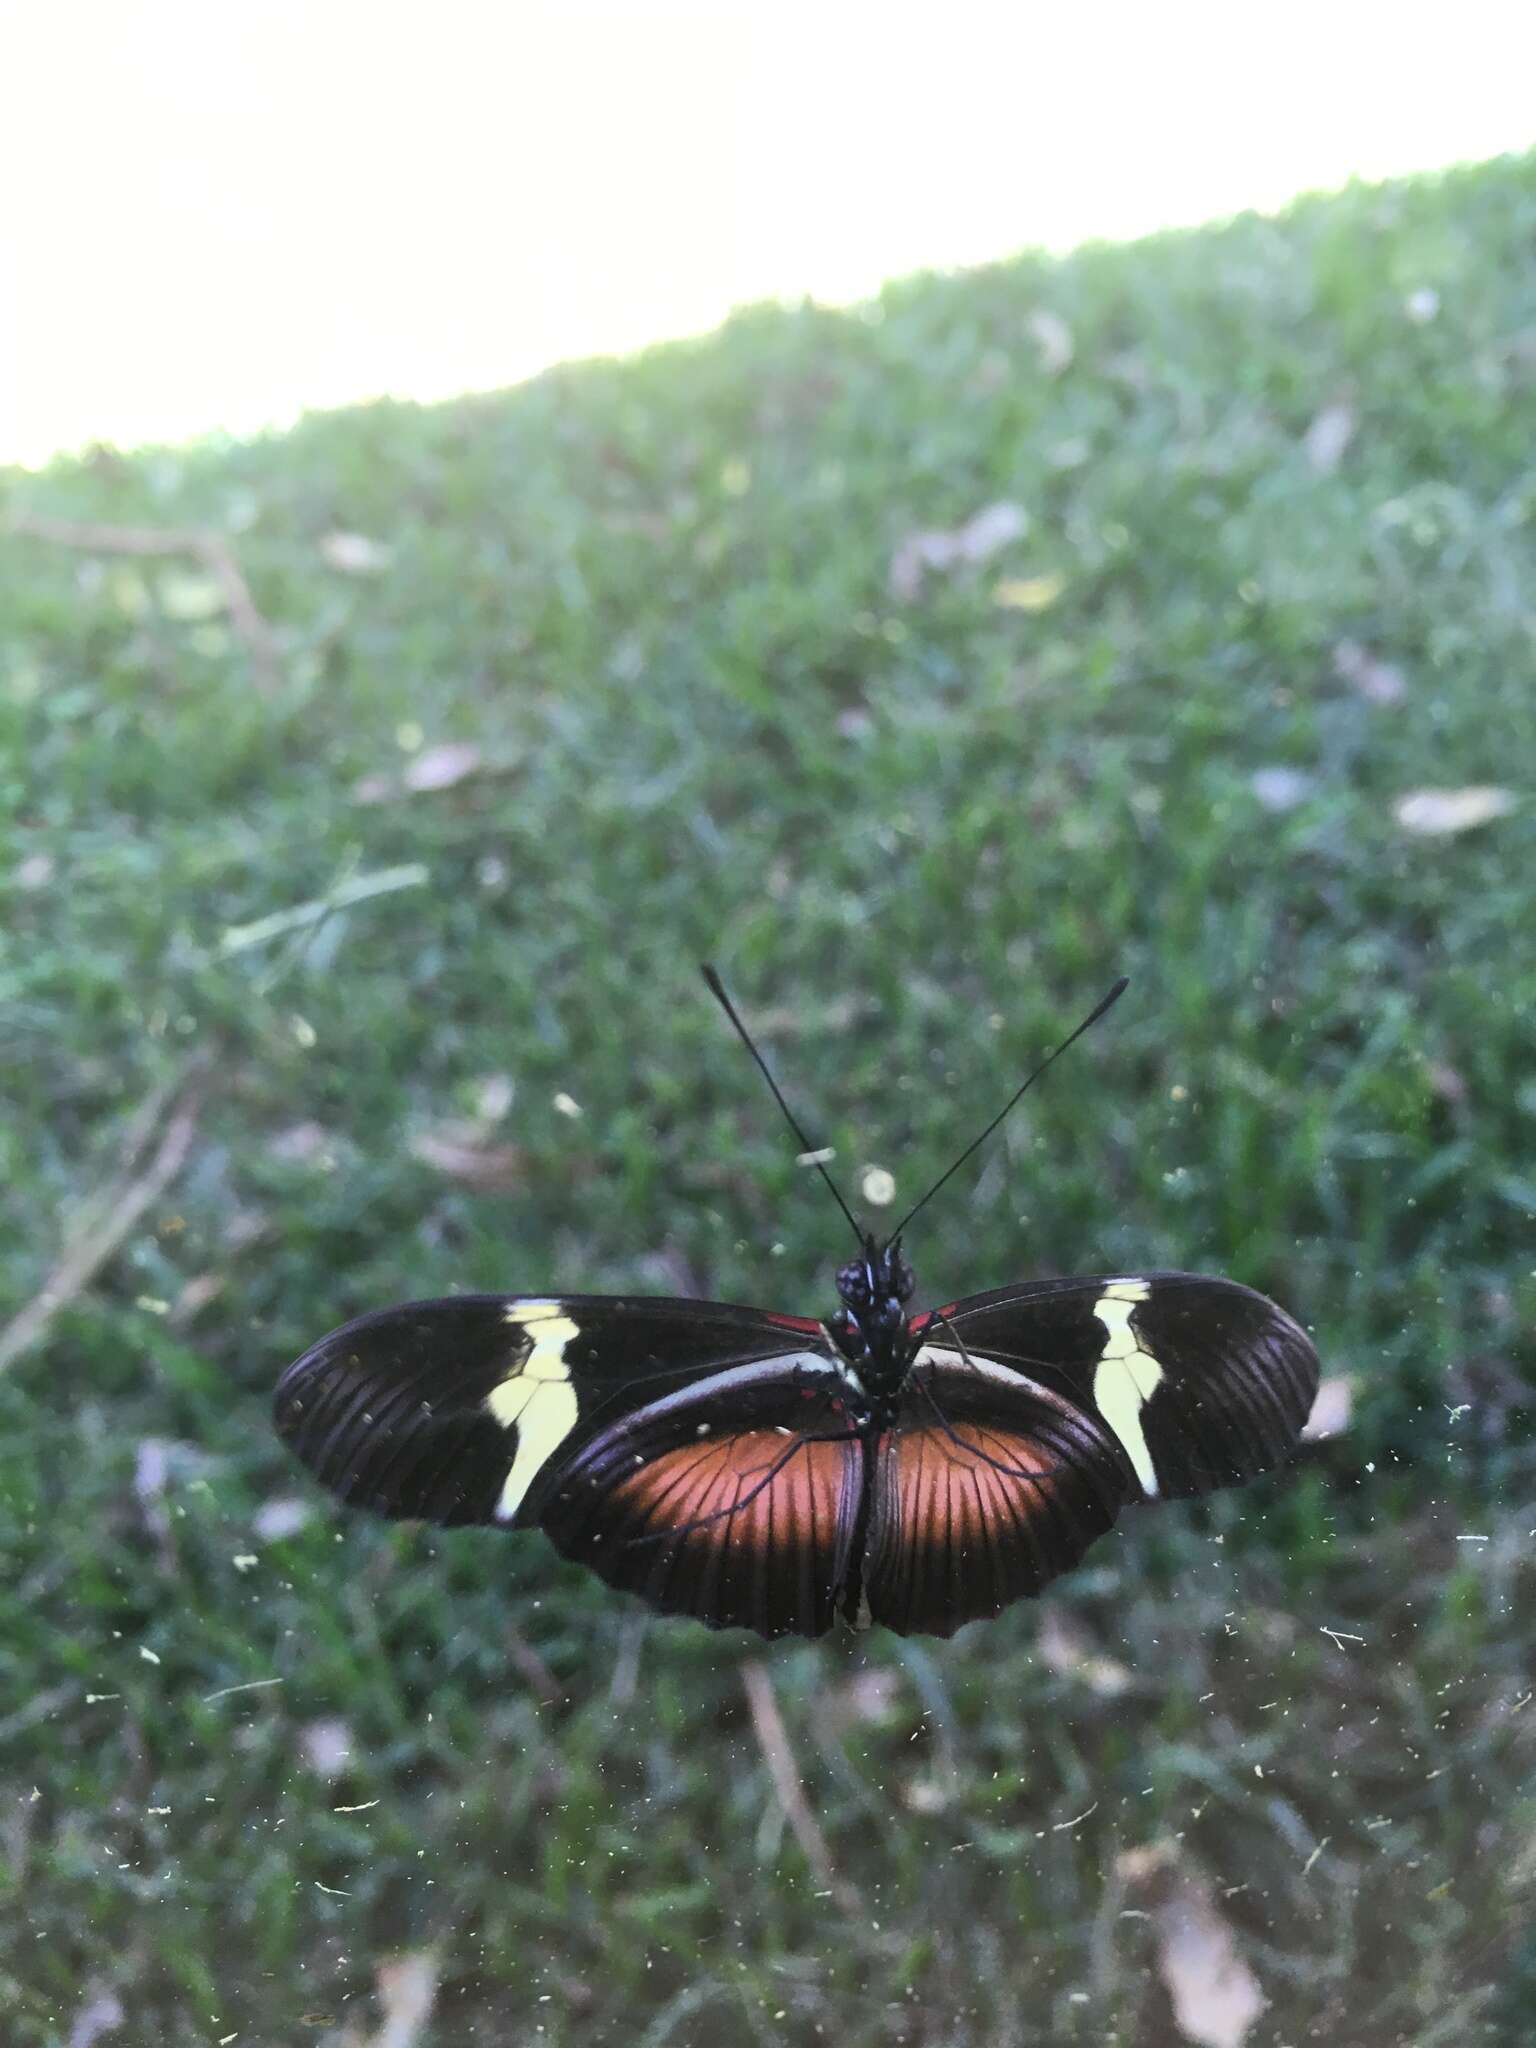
<point x="822" y="1156"/>
<point x="1281" y="789"/>
<point x="1331" y="1410"/>
<point x="245" y="1560"/>
<point x="1053" y="337"/>
<point x="276" y="1519"/>
<point x="567" y="1104"/>
<point x="327" y="1747"/>
<point x="353" y="554"/>
<point x="1328" y="437"/>
<point x="878" y="1187"/>
<point x="148" y="1655"/>
<point x="364" y="1807"/>
<point x="494" y="1095"/>
<point x="1340" y="1635"/>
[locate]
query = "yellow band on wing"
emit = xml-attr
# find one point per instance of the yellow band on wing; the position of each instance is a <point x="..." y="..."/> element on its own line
<point x="542" y="1425"/>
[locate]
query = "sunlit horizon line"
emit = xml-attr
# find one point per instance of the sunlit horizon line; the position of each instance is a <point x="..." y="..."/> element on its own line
<point x="259" y="421"/>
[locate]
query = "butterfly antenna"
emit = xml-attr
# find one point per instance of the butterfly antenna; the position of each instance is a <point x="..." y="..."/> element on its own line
<point x="1093" y="1017"/>
<point x="717" y="990"/>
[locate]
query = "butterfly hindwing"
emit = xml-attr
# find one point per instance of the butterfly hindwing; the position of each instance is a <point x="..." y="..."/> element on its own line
<point x="988" y="1488"/>
<point x="458" y="1410"/>
<point x="1202" y="1382"/>
<point x="735" y="1501"/>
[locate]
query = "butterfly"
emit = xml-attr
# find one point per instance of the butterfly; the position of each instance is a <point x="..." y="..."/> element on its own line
<point x="915" y="1471"/>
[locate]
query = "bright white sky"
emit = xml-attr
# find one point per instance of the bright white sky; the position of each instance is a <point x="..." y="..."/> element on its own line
<point x="216" y="213"/>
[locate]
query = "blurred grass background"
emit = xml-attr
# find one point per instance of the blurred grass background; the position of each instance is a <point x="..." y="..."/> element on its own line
<point x="392" y="892"/>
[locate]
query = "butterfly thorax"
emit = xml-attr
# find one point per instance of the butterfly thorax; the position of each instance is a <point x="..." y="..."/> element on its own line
<point x="870" y="1328"/>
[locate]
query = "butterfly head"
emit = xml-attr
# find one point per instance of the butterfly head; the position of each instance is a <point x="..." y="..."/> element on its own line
<point x="879" y="1275"/>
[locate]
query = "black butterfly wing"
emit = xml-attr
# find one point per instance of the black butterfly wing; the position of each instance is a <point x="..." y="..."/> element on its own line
<point x="987" y="1488"/>
<point x="647" y="1436"/>
<point x="1033" y="1414"/>
<point x="1203" y="1382"/>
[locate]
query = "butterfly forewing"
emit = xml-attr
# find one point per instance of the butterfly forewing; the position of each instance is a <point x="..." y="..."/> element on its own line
<point x="988" y="1487"/>
<point x="1201" y="1382"/>
<point x="458" y="1410"/>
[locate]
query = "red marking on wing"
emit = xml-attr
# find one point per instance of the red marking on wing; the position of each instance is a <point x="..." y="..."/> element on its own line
<point x="806" y="1325"/>
<point x="928" y="1315"/>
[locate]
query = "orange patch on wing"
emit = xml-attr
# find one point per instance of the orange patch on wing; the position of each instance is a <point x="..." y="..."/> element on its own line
<point x="758" y="1488"/>
<point x="970" y="1518"/>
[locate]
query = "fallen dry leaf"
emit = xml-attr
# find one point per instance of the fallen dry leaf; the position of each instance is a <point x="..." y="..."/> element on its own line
<point x="1436" y="813"/>
<point x="1331" y="1409"/>
<point x="1329" y="435"/>
<point x="1281" y="789"/>
<point x="275" y="1519"/>
<point x="407" y="1989"/>
<point x="354" y="554"/>
<point x="1029" y="593"/>
<point x="100" y="2015"/>
<point x="159" y="1462"/>
<point x="926" y="1795"/>
<point x="493" y="1097"/>
<point x="1378" y="681"/>
<point x="186" y="597"/>
<point x="463" y="1156"/>
<point x="327" y="1747"/>
<point x="1446" y="1081"/>
<point x="196" y="1295"/>
<point x="441" y="767"/>
<point x="868" y="1696"/>
<point x="1068" y="1649"/>
<point x="1053" y="338"/>
<point x="300" y="1144"/>
<point x="1216" y="1997"/>
<point x="990" y="530"/>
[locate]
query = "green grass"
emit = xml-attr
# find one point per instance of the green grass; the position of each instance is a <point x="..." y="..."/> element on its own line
<point x="920" y="838"/>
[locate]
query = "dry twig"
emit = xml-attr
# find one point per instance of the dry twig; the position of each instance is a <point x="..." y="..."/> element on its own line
<point x="773" y="1739"/>
<point x="211" y="549"/>
<point x="110" y="1216"/>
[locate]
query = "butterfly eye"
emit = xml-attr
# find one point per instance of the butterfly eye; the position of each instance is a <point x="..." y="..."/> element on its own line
<point x="853" y="1284"/>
